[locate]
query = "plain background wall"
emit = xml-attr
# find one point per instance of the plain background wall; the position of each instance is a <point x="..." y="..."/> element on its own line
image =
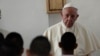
<point x="89" y="11"/>
<point x="28" y="17"/>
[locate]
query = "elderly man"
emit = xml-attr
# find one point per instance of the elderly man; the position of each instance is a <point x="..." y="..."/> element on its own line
<point x="87" y="43"/>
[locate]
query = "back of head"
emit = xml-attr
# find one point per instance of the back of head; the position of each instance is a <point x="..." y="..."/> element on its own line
<point x="7" y="49"/>
<point x="40" y="46"/>
<point x="68" y="41"/>
<point x="1" y="37"/>
<point x="17" y="40"/>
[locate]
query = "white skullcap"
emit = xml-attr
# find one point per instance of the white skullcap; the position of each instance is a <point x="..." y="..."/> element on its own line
<point x="68" y="5"/>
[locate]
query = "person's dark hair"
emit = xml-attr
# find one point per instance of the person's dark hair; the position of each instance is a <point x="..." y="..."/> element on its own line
<point x="1" y="37"/>
<point x="40" y="46"/>
<point x="68" y="41"/>
<point x="7" y="49"/>
<point x="17" y="40"/>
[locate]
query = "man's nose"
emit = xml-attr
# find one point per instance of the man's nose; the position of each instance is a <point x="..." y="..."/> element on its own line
<point x="69" y="18"/>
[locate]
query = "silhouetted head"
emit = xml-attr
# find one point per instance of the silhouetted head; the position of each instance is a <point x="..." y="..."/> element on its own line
<point x="40" y="46"/>
<point x="1" y="37"/>
<point x="68" y="42"/>
<point x="17" y="40"/>
<point x="7" y="49"/>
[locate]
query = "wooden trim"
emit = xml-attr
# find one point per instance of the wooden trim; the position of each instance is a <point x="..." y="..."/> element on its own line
<point x="49" y="10"/>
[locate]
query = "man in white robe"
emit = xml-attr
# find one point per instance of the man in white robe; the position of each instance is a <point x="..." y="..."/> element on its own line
<point x="87" y="42"/>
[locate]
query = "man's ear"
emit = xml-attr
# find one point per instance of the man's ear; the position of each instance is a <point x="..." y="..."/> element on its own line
<point x="60" y="45"/>
<point x="50" y="54"/>
<point x="77" y="15"/>
<point x="22" y="50"/>
<point x="75" y="46"/>
<point x="28" y="52"/>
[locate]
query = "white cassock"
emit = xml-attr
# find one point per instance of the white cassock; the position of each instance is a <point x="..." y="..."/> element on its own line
<point x="87" y="42"/>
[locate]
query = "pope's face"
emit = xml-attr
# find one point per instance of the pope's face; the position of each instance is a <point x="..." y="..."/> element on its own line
<point x="69" y="16"/>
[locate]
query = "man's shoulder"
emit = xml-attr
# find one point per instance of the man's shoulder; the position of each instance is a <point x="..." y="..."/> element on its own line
<point x="52" y="31"/>
<point x="82" y="27"/>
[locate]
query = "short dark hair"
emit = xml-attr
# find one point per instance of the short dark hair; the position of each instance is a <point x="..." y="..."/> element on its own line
<point x="68" y="41"/>
<point x="1" y="37"/>
<point x="7" y="49"/>
<point x="16" y="39"/>
<point x="40" y="46"/>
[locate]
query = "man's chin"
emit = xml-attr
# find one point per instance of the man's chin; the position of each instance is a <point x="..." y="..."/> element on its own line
<point x="69" y="26"/>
